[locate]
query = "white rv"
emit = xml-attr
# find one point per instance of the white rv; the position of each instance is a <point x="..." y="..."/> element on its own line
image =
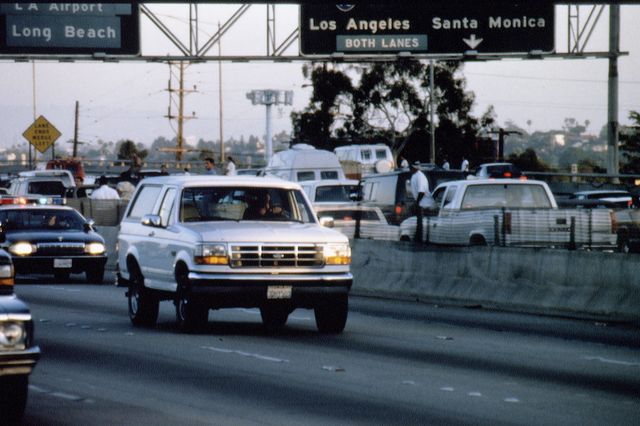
<point x="371" y="158"/>
<point x="304" y="162"/>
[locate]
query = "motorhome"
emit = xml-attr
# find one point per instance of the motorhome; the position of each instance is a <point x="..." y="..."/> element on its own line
<point x="304" y="162"/>
<point x="368" y="159"/>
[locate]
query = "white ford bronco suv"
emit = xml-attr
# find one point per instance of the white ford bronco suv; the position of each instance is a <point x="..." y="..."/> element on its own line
<point x="210" y="242"/>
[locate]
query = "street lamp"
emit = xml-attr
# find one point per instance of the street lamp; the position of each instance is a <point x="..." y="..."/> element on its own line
<point x="269" y="98"/>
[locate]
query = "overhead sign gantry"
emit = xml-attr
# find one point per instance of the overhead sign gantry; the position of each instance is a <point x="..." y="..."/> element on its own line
<point x="427" y="27"/>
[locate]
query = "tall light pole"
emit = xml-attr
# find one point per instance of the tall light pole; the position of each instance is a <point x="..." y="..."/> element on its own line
<point x="269" y="98"/>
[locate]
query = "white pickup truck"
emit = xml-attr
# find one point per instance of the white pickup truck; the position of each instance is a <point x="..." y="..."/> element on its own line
<point x="210" y="242"/>
<point x="510" y="212"/>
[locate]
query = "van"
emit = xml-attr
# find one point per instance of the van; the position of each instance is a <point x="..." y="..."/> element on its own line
<point x="370" y="158"/>
<point x="304" y="162"/>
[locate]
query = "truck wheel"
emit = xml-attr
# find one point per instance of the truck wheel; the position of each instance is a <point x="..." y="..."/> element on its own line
<point x="274" y="317"/>
<point x="143" y="306"/>
<point x="190" y="315"/>
<point x="623" y="244"/>
<point x="331" y="315"/>
<point x="95" y="275"/>
<point x="477" y="241"/>
<point x="13" y="397"/>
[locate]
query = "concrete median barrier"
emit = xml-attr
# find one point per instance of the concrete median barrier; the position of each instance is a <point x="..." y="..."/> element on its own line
<point x="540" y="281"/>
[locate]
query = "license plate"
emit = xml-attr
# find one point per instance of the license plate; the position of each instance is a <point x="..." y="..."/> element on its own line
<point x="62" y="263"/>
<point x="279" y="292"/>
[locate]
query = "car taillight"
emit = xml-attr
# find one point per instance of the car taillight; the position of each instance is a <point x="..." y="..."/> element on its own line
<point x="398" y="209"/>
<point x="507" y="174"/>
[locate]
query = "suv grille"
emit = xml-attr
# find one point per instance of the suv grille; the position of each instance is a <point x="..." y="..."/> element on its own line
<point x="277" y="256"/>
<point x="61" y="248"/>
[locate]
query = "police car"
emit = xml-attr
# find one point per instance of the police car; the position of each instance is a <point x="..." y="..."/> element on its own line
<point x="51" y="239"/>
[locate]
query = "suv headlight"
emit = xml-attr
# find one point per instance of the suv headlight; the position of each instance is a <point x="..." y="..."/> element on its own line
<point x="22" y="248"/>
<point x="94" y="248"/>
<point x="13" y="335"/>
<point x="337" y="254"/>
<point x="211" y="254"/>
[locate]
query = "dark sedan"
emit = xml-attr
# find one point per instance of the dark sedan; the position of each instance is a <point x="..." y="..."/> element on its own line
<point x="52" y="240"/>
<point x="18" y="354"/>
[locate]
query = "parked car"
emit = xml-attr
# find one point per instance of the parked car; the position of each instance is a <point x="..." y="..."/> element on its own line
<point x="391" y="192"/>
<point x="211" y="242"/>
<point x="510" y="212"/>
<point x="331" y="190"/>
<point x="628" y="230"/>
<point x="18" y="352"/>
<point x="613" y="198"/>
<point x="343" y="217"/>
<point x="52" y="239"/>
<point x="496" y="171"/>
<point x="42" y="182"/>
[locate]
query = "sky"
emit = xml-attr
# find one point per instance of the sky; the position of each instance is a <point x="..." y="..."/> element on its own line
<point x="129" y="100"/>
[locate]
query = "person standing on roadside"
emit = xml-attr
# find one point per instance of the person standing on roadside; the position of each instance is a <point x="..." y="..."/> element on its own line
<point x="104" y="191"/>
<point x="230" y="170"/>
<point x="210" y="166"/>
<point x="421" y="195"/>
<point x="465" y="165"/>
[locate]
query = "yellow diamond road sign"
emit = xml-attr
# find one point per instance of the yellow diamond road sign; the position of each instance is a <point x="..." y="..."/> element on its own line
<point x="41" y="134"/>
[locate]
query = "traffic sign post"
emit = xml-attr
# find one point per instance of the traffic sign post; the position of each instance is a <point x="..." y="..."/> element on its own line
<point x="69" y="28"/>
<point x="41" y="134"/>
<point x="453" y="27"/>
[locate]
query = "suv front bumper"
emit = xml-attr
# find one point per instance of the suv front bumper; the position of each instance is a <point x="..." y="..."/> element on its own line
<point x="250" y="290"/>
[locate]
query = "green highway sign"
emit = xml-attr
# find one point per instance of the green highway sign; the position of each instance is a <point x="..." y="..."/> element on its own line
<point x="427" y="27"/>
<point x="69" y="28"/>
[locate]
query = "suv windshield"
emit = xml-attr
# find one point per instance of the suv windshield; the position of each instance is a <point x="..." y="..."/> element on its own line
<point x="201" y="204"/>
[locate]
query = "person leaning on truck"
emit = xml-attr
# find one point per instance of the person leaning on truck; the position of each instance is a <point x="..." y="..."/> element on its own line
<point x="421" y="195"/>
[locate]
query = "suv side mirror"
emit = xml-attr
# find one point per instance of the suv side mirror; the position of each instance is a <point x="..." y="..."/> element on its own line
<point x="152" y="220"/>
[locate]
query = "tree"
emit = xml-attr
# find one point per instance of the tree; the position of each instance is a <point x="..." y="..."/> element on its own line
<point x="390" y="102"/>
<point x="528" y="161"/>
<point x="630" y="145"/>
<point x="127" y="149"/>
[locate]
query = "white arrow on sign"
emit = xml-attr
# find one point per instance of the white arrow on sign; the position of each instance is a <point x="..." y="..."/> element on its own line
<point x="472" y="41"/>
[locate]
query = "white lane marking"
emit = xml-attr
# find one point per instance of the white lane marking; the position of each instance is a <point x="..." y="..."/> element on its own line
<point x="409" y="382"/>
<point x="37" y="389"/>
<point x="447" y="389"/>
<point x="512" y="399"/>
<point x="611" y="361"/>
<point x="476" y="394"/>
<point x="333" y="368"/>
<point x="67" y="396"/>
<point x="245" y="354"/>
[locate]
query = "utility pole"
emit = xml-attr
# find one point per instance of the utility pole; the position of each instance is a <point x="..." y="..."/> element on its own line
<point x="612" y="123"/>
<point x="75" y="132"/>
<point x="180" y="117"/>
<point x="220" y="98"/>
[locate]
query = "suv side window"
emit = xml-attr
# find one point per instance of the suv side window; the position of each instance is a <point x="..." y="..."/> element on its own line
<point x="144" y="201"/>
